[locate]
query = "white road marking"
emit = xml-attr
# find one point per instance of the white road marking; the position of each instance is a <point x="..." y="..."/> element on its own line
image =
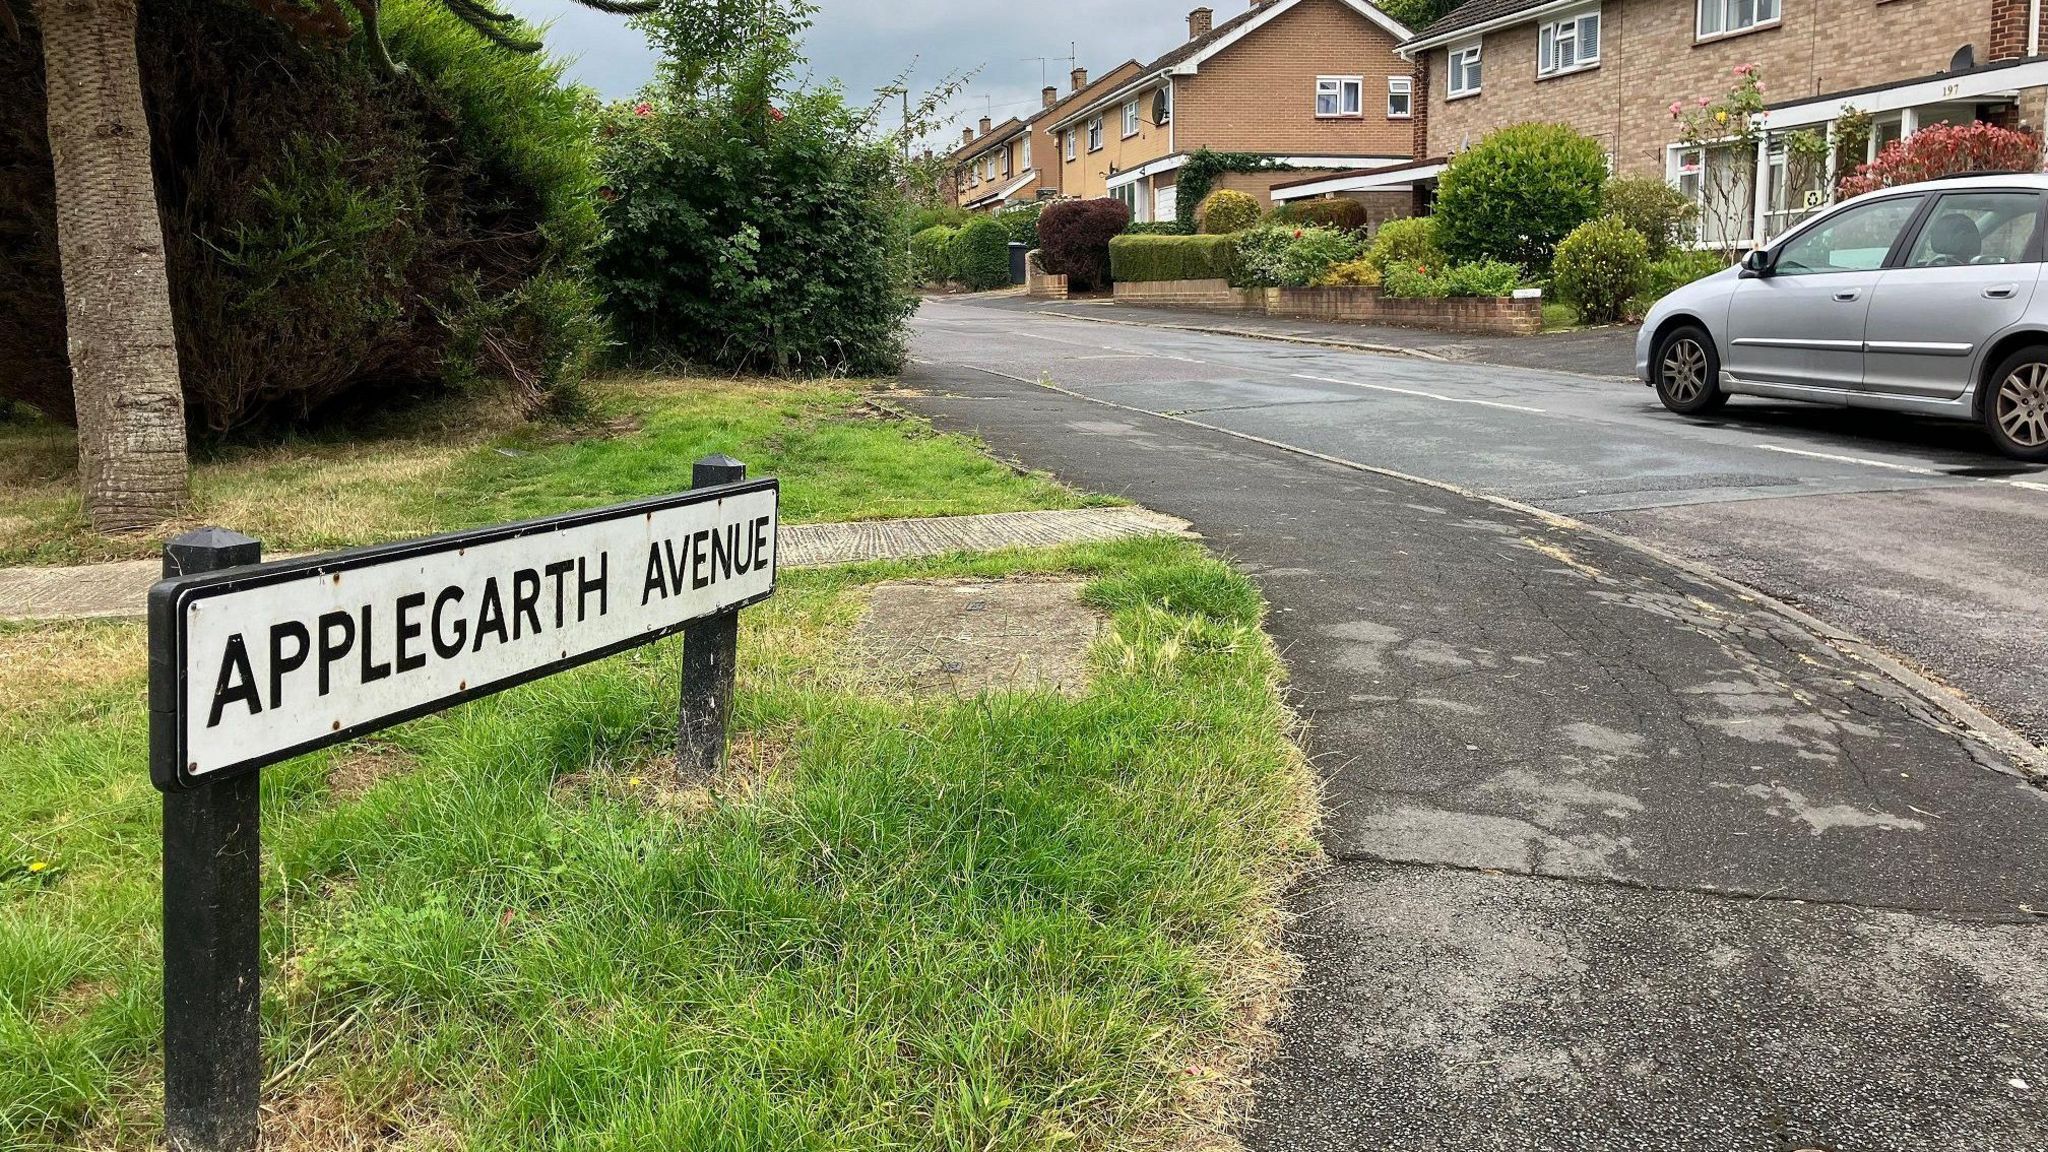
<point x="1424" y="395"/>
<point x="2029" y="485"/>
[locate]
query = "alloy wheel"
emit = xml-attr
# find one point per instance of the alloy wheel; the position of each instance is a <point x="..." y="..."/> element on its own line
<point x="2022" y="410"/>
<point x="1685" y="370"/>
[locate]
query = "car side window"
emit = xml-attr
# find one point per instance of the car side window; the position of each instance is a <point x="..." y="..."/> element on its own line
<point x="1853" y="240"/>
<point x="1972" y="228"/>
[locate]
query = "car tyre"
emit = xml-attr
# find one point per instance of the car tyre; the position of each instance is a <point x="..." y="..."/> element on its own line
<point x="2015" y="405"/>
<point x="1687" y="371"/>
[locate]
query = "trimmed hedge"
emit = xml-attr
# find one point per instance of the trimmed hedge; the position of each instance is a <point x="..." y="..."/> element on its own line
<point x="931" y="254"/>
<point x="1155" y="258"/>
<point x="981" y="255"/>
<point x="1518" y="192"/>
<point x="1225" y="211"/>
<point x="1599" y="267"/>
<point x="1343" y="215"/>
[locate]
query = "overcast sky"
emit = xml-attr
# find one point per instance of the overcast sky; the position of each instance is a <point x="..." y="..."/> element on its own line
<point x="865" y="43"/>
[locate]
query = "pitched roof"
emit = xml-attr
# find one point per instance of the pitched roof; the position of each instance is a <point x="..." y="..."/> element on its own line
<point x="1477" y="13"/>
<point x="986" y="140"/>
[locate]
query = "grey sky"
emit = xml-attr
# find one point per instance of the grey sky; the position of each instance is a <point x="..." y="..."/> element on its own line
<point x="865" y="43"/>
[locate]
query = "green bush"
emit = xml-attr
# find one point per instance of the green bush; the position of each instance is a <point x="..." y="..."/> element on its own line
<point x="1278" y="256"/>
<point x="923" y="218"/>
<point x="335" y="238"/>
<point x="757" y="227"/>
<point x="1675" y="271"/>
<point x="1412" y="239"/>
<point x="1225" y="211"/>
<point x="1599" y="267"/>
<point x="1021" y="222"/>
<point x="1486" y="278"/>
<point x="1350" y="274"/>
<point x="981" y="255"/>
<point x="1159" y="228"/>
<point x="1407" y="280"/>
<point x="1155" y="258"/>
<point x="1665" y="217"/>
<point x="931" y="255"/>
<point x="1518" y="192"/>
<point x="1343" y="215"/>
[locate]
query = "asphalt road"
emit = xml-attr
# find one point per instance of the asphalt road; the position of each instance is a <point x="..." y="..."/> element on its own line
<point x="1620" y="858"/>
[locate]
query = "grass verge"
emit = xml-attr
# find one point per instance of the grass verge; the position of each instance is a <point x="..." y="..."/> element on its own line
<point x="462" y="465"/>
<point x="1025" y="920"/>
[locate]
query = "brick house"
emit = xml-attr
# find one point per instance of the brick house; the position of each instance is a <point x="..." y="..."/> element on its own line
<point x="1613" y="69"/>
<point x="1316" y="84"/>
<point x="1016" y="162"/>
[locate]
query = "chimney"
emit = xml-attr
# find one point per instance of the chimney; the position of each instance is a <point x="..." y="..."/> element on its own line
<point x="967" y="135"/>
<point x="986" y="124"/>
<point x="1199" y="23"/>
<point x="1080" y="78"/>
<point x="1051" y="95"/>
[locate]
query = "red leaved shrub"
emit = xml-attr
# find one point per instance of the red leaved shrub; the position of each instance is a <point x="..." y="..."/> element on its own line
<point x="1074" y="236"/>
<point x="1940" y="150"/>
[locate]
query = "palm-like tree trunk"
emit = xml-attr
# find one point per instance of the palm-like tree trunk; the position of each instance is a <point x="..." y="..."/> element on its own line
<point x="117" y="296"/>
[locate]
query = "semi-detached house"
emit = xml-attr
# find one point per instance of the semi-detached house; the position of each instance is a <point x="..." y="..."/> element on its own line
<point x="1016" y="162"/>
<point x="1613" y="69"/>
<point x="1317" y="85"/>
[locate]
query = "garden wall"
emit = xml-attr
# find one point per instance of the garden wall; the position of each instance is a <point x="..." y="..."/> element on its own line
<point x="1189" y="293"/>
<point x="1480" y="316"/>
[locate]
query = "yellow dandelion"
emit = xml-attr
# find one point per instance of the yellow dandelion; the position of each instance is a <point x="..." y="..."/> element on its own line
<point x="39" y="866"/>
<point x="632" y="781"/>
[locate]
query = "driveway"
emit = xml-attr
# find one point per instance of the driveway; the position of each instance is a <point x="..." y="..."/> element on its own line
<point x="1621" y="858"/>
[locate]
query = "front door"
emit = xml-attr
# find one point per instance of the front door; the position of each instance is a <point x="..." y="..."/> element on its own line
<point x="1804" y="324"/>
<point x="1968" y="276"/>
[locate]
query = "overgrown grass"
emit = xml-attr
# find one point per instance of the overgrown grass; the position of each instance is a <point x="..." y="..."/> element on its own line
<point x="1028" y="920"/>
<point x="464" y="465"/>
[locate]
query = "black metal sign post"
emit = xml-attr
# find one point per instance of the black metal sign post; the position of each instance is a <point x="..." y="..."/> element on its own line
<point x="251" y="664"/>
<point x="213" y="1058"/>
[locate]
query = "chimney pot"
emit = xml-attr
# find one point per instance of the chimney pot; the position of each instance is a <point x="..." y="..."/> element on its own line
<point x="1051" y="95"/>
<point x="967" y="135"/>
<point x="1080" y="78"/>
<point x="986" y="124"/>
<point x="1201" y="20"/>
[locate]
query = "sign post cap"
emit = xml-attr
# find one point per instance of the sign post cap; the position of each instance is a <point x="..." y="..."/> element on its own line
<point x="716" y="469"/>
<point x="210" y="549"/>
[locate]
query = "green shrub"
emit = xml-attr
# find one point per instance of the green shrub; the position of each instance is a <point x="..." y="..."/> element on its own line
<point x="1412" y="239"/>
<point x="1155" y="258"/>
<point x="1599" y="267"/>
<point x="981" y="255"/>
<point x="1225" y="211"/>
<point x="1675" y="271"/>
<point x="1343" y="215"/>
<point x="1159" y="228"/>
<point x="1021" y="222"/>
<point x="1407" y="280"/>
<point x="755" y="241"/>
<point x="1664" y="216"/>
<point x="1350" y="274"/>
<point x="1482" y="278"/>
<point x="1518" y="192"/>
<point x="931" y="255"/>
<point x="923" y="218"/>
<point x="335" y="238"/>
<point x="1278" y="256"/>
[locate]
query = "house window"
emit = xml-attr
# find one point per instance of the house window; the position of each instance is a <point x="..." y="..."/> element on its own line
<point x="1464" y="70"/>
<point x="1072" y="142"/>
<point x="1400" y="97"/>
<point x="1719" y="16"/>
<point x="1340" y="95"/>
<point x="1027" y="153"/>
<point x="1095" y="134"/>
<point x="1129" y="195"/>
<point x="1568" y="45"/>
<point x="1721" y="180"/>
<point x="1130" y="119"/>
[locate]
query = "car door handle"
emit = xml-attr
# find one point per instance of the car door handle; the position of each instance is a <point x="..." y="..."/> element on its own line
<point x="1848" y="295"/>
<point x="2002" y="292"/>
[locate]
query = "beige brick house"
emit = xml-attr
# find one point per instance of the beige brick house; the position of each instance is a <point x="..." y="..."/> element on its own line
<point x="1018" y="160"/>
<point x="1613" y="69"/>
<point x="1316" y="84"/>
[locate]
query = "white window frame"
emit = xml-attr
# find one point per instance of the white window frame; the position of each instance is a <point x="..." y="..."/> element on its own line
<point x="1095" y="134"/>
<point x="1725" y="13"/>
<point x="1072" y="144"/>
<point x="1130" y="119"/>
<point x="1027" y="153"/>
<point x="1347" y="96"/>
<point x="1553" y="36"/>
<point x="1167" y="89"/>
<point x="1471" y="53"/>
<point x="1403" y="88"/>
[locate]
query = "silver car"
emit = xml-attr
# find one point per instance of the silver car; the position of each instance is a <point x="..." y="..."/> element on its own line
<point x="1924" y="298"/>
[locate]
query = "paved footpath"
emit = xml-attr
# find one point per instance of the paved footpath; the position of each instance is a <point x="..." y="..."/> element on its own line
<point x="1619" y="858"/>
<point x="119" y="589"/>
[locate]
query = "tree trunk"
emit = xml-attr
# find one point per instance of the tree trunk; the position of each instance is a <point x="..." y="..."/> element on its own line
<point x="117" y="294"/>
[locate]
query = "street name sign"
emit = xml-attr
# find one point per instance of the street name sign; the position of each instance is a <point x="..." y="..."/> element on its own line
<point x="254" y="665"/>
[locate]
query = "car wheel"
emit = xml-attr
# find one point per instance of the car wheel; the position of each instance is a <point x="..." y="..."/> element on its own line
<point x="2016" y="405"/>
<point x="1688" y="372"/>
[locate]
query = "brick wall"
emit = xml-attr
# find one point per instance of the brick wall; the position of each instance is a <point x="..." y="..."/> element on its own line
<point x="2009" y="29"/>
<point x="1189" y="294"/>
<point x="1087" y="175"/>
<point x="1046" y="155"/>
<point x="1650" y="57"/>
<point x="1490" y="317"/>
<point x="1260" y="95"/>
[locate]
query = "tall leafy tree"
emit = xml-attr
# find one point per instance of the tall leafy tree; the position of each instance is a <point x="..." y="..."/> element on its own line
<point x="110" y="242"/>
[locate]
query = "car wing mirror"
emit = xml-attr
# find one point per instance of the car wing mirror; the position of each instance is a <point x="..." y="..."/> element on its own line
<point x="1758" y="264"/>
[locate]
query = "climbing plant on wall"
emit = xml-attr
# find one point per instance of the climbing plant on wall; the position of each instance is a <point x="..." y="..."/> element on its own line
<point x="1198" y="176"/>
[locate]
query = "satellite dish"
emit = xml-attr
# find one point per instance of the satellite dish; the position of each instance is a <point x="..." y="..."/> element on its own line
<point x="1964" y="59"/>
<point x="1160" y="112"/>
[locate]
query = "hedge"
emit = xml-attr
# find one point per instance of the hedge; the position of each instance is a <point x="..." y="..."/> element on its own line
<point x="1154" y="258"/>
<point x="1074" y="238"/>
<point x="931" y="254"/>
<point x="981" y="255"/>
<point x="1343" y="215"/>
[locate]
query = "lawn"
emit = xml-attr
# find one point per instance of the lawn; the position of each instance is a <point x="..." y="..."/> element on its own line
<point x="463" y="464"/>
<point x="1025" y="920"/>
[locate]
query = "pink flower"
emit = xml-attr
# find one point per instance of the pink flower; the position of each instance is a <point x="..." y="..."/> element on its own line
<point x="1704" y="101"/>
<point x="643" y="108"/>
<point x="1744" y="69"/>
<point x="1759" y="85"/>
<point x="775" y="114"/>
<point x="1677" y="106"/>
